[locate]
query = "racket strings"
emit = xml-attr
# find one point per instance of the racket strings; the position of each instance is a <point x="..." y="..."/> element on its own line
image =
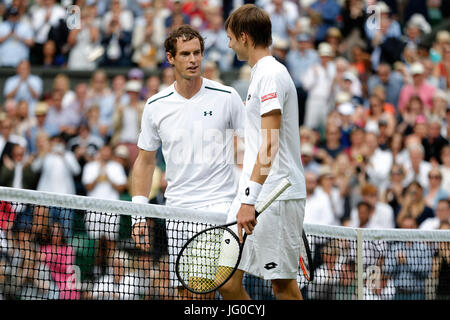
<point x="208" y="260"/>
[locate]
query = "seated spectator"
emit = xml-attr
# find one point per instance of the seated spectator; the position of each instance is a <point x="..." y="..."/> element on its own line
<point x="332" y="144"/>
<point x="413" y="205"/>
<point x="24" y="122"/>
<point x="116" y="30"/>
<point x="100" y="94"/>
<point x="118" y="10"/>
<point x="120" y="283"/>
<point x="59" y="258"/>
<point x="364" y="213"/>
<point x="326" y="275"/>
<point x="57" y="170"/>
<point x="127" y="119"/>
<point x="416" y="167"/>
<point x="283" y="15"/>
<point x="325" y="204"/>
<point x="308" y="161"/>
<point x="7" y="138"/>
<point x="378" y="162"/>
<point x="318" y="82"/>
<point x="442" y="216"/>
<point x="16" y="170"/>
<point x="50" y="55"/>
<point x="409" y="264"/>
<point x="177" y="10"/>
<point x="24" y="86"/>
<point x="376" y="113"/>
<point x="353" y="21"/>
<point x="61" y="83"/>
<point x="381" y="215"/>
<point x="408" y="117"/>
<point x="84" y="42"/>
<point x="440" y="105"/>
<point x="393" y="195"/>
<point x="328" y="11"/>
<point x="47" y="15"/>
<point x="118" y="88"/>
<point x="105" y="179"/>
<point x="65" y="119"/>
<point x="39" y="124"/>
<point x="418" y="87"/>
<point x="434" y="193"/>
<point x="85" y="147"/>
<point x="434" y="141"/>
<point x="146" y="43"/>
<point x="391" y="81"/>
<point x="16" y="38"/>
<point x="388" y="107"/>
<point x="32" y="277"/>
<point x="151" y="87"/>
<point x="80" y="102"/>
<point x="196" y="11"/>
<point x="216" y="43"/>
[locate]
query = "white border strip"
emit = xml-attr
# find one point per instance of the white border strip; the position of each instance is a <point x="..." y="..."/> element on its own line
<point x="51" y="199"/>
<point x="191" y="215"/>
<point x="377" y="234"/>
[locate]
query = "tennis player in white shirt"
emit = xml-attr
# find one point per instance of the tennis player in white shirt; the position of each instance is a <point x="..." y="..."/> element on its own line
<point x="272" y="151"/>
<point x="194" y="121"/>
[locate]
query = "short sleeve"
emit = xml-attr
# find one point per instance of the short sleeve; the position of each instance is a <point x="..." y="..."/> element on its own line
<point x="149" y="139"/>
<point x="270" y="94"/>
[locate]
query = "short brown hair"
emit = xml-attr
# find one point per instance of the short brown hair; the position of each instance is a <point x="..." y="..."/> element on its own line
<point x="186" y="33"/>
<point x="254" y="22"/>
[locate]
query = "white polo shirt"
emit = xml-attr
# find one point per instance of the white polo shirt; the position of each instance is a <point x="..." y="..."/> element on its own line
<point x="196" y="136"/>
<point x="271" y="88"/>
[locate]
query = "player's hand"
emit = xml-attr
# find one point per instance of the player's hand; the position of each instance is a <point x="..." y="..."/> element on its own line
<point x="141" y="236"/>
<point x="246" y="219"/>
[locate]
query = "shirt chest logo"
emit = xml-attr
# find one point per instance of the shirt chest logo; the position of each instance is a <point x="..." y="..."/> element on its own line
<point x="207" y="113"/>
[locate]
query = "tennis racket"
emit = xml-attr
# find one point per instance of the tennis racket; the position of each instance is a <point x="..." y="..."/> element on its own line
<point x="211" y="257"/>
<point x="305" y="260"/>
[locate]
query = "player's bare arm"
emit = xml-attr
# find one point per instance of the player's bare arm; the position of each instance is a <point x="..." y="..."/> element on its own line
<point x="142" y="175"/>
<point x="270" y="126"/>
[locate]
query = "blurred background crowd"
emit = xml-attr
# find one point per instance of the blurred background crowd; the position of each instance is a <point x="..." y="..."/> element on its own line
<point x="372" y="79"/>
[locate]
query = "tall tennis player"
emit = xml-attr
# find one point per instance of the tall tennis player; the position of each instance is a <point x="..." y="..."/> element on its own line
<point x="194" y="121"/>
<point x="272" y="151"/>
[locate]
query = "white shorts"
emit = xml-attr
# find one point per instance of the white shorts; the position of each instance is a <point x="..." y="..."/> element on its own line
<point x="272" y="251"/>
<point x="178" y="233"/>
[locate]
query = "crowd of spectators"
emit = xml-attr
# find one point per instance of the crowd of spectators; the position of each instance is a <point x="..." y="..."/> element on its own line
<point x="373" y="85"/>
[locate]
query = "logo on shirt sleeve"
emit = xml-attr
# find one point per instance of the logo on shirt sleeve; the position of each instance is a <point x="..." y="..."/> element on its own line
<point x="268" y="96"/>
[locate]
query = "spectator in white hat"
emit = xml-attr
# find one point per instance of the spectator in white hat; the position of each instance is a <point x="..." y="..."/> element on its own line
<point x="418" y="87"/>
<point x="318" y="82"/>
<point x="127" y="119"/>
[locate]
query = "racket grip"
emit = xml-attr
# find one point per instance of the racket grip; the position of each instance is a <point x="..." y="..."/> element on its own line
<point x="282" y="186"/>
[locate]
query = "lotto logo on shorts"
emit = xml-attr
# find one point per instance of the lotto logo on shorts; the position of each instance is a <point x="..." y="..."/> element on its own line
<point x="269" y="96"/>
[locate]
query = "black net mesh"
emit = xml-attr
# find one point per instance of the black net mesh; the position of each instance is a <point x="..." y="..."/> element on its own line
<point x="57" y="253"/>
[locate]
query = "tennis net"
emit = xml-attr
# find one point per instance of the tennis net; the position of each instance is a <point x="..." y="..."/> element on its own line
<point x="56" y="246"/>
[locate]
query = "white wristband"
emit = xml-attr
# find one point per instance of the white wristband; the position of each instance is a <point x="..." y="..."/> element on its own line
<point x="251" y="193"/>
<point x="138" y="199"/>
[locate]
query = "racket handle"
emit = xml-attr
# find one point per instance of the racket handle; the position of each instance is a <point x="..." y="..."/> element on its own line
<point x="261" y="206"/>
